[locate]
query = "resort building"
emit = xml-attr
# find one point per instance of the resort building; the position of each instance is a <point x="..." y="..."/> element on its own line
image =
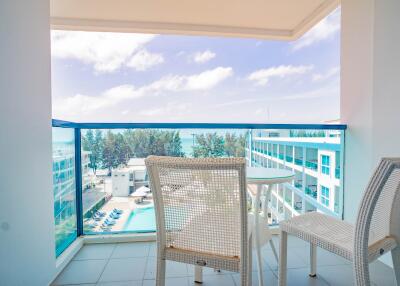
<point x="125" y="180"/>
<point x="315" y="159"/>
<point x="64" y="179"/>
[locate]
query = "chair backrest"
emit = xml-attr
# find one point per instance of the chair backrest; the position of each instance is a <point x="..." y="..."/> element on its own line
<point x="379" y="213"/>
<point x="200" y="204"/>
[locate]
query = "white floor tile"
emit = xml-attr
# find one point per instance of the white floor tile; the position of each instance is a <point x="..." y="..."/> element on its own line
<point x="95" y="251"/>
<point x="177" y="281"/>
<point x="120" y="283"/>
<point x="124" y="269"/>
<point x="81" y="271"/>
<point x="293" y="260"/>
<point x="153" y="249"/>
<point x="324" y="258"/>
<point x="137" y="261"/>
<point x="268" y="276"/>
<point x="381" y="274"/>
<point x="300" y="277"/>
<point x="136" y="249"/>
<point x="173" y="269"/>
<point x="211" y="280"/>
<point x="208" y="271"/>
<point x="336" y="275"/>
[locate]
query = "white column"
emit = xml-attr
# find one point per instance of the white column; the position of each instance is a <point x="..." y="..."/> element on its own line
<point x="370" y="89"/>
<point x="27" y="244"/>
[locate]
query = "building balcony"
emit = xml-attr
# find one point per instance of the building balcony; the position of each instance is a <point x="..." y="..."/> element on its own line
<point x="298" y="162"/>
<point x="337" y="173"/>
<point x="311" y="165"/>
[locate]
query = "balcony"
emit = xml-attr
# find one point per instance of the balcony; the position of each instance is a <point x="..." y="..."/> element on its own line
<point x="31" y="242"/>
<point x="107" y="191"/>
<point x="298" y="162"/>
<point x="337" y="172"/>
<point x="311" y="191"/>
<point x="312" y="165"/>
<point x="289" y="159"/>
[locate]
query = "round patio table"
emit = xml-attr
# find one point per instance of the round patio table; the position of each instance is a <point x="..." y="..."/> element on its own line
<point x="264" y="177"/>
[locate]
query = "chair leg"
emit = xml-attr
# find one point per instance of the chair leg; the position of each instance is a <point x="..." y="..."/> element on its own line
<point x="198" y="274"/>
<point x="250" y="262"/>
<point x="282" y="259"/>
<point x="271" y="243"/>
<point x="313" y="260"/>
<point x="160" y="272"/>
<point x="396" y="264"/>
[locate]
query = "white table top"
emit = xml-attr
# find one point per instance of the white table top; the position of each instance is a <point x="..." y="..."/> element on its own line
<point x="258" y="175"/>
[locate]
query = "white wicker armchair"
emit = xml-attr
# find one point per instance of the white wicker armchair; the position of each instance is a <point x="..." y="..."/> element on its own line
<point x="201" y="214"/>
<point x="377" y="229"/>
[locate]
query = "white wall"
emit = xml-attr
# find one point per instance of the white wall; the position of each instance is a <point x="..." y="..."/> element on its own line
<point x="370" y="92"/>
<point x="356" y="98"/>
<point x="27" y="255"/>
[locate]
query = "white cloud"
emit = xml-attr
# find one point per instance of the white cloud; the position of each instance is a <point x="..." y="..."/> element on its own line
<point x="322" y="31"/>
<point x="203" y="57"/>
<point x="85" y="104"/>
<point x="208" y="79"/>
<point x="202" y="81"/>
<point x="107" y="52"/>
<point x="143" y="60"/>
<point x="329" y="74"/>
<point x="262" y="77"/>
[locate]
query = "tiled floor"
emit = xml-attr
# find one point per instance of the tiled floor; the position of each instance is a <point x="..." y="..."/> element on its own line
<point x="133" y="264"/>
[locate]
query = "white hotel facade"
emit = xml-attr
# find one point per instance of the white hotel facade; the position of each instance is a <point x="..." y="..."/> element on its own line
<point x="316" y="163"/>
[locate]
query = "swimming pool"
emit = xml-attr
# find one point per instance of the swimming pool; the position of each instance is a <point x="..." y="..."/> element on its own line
<point x="141" y="220"/>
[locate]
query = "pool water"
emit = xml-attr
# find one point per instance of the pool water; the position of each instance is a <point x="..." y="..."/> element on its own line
<point x="141" y="220"/>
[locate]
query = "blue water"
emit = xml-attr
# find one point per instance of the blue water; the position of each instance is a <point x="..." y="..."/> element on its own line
<point x="187" y="146"/>
<point x="141" y="220"/>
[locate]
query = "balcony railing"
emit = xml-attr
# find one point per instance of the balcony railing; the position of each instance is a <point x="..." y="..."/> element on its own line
<point x="91" y="199"/>
<point x="312" y="165"/>
<point x="298" y="162"/>
<point x="289" y="159"/>
<point x="337" y="173"/>
<point x="311" y="192"/>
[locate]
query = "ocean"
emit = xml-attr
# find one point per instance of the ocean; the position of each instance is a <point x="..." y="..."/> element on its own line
<point x="187" y="146"/>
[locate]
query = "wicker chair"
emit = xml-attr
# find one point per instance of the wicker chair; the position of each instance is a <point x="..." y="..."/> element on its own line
<point x="201" y="214"/>
<point x="377" y="229"/>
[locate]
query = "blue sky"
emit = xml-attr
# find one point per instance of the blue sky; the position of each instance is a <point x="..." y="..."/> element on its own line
<point x="111" y="77"/>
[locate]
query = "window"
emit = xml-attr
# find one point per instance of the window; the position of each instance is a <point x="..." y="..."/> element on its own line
<point x="325" y="164"/>
<point x="64" y="188"/>
<point x="325" y="196"/>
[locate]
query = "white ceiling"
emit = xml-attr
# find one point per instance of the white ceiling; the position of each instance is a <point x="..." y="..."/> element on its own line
<point x="267" y="19"/>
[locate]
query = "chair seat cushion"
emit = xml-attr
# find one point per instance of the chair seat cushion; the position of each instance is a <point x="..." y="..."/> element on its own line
<point x="324" y="231"/>
<point x="333" y="235"/>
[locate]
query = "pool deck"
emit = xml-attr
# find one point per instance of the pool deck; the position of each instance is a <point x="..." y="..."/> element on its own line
<point x="127" y="204"/>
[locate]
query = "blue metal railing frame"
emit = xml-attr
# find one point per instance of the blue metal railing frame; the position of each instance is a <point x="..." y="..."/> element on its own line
<point x="85" y="125"/>
<point x="78" y="182"/>
<point x="77" y="126"/>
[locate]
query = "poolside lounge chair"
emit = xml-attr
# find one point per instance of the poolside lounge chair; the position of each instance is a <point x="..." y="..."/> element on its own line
<point x="117" y="211"/>
<point x="109" y="222"/>
<point x="100" y="214"/>
<point x="201" y="214"/>
<point x="114" y="216"/>
<point x="376" y="232"/>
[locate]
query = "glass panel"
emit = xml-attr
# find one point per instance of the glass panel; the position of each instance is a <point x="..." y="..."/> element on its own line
<point x="64" y="187"/>
<point x="299" y="150"/>
<point x="116" y="194"/>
